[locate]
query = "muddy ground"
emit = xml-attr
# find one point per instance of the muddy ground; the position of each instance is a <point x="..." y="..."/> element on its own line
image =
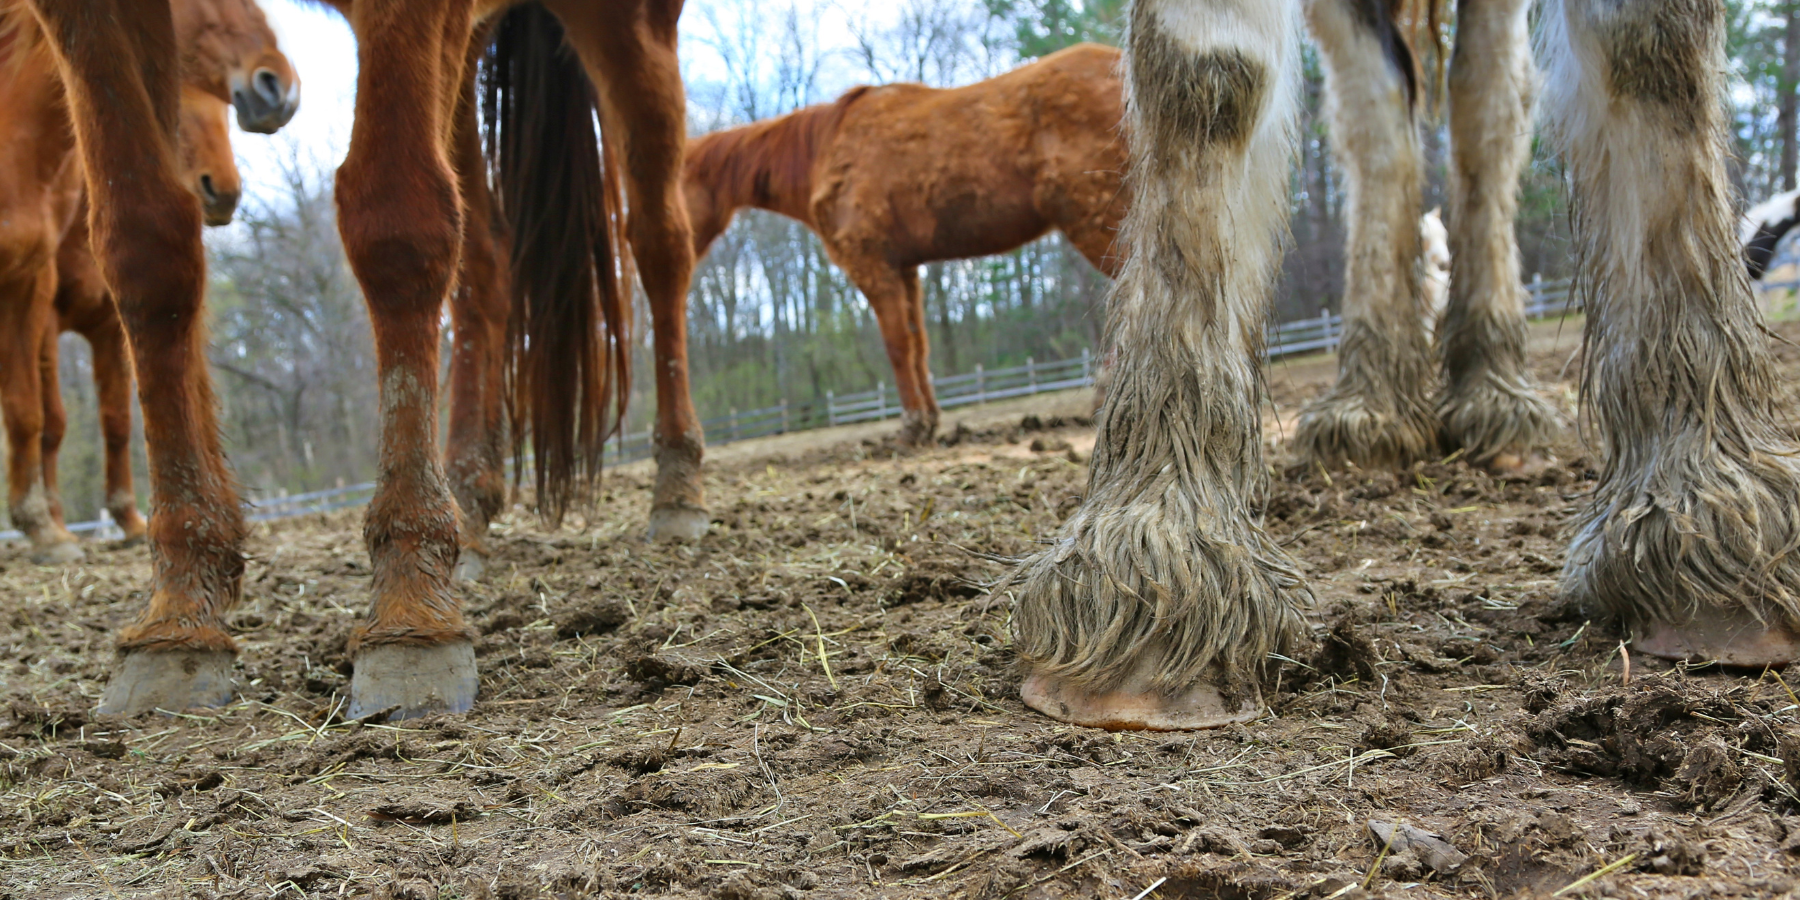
<point x="819" y="700"/>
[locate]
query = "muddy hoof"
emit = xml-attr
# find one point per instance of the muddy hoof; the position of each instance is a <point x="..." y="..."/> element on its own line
<point x="1733" y="637"/>
<point x="169" y="680"/>
<point x="470" y="566"/>
<point x="59" y="554"/>
<point x="680" y="523"/>
<point x="1203" y="706"/>
<point x="410" y="680"/>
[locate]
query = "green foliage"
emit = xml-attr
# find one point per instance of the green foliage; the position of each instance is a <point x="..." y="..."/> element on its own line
<point x="1042" y="27"/>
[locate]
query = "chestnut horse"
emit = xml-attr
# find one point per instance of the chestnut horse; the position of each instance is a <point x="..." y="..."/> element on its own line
<point x="411" y="215"/>
<point x="43" y="251"/>
<point x="896" y="176"/>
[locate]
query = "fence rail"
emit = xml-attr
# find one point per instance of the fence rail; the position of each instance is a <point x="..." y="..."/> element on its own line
<point x="1317" y="335"/>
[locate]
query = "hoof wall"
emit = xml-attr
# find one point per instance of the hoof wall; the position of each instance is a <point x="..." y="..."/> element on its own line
<point x="410" y="680"/>
<point x="60" y="554"/>
<point x="679" y="523"/>
<point x="1201" y="706"/>
<point x="171" y="680"/>
<point x="470" y="566"/>
<point x="1732" y="637"/>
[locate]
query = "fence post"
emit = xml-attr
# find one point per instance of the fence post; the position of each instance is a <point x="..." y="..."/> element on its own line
<point x="1031" y="374"/>
<point x="1087" y="373"/>
<point x="732" y="424"/>
<point x="830" y="408"/>
<point x="784" y="416"/>
<point x="1536" y="290"/>
<point x="980" y="385"/>
<point x="880" y="399"/>
<point x="1325" y="319"/>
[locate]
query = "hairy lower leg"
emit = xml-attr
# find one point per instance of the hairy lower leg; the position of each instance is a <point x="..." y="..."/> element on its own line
<point x="1161" y="598"/>
<point x="1693" y="520"/>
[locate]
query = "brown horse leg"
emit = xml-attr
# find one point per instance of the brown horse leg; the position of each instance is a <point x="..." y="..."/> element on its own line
<point x="1161" y="600"/>
<point x="474" y="452"/>
<point x="56" y="418"/>
<point x="634" y="68"/>
<point x="26" y="315"/>
<point x="112" y="382"/>
<point x="118" y="62"/>
<point x="1689" y="535"/>
<point x="894" y="296"/>
<point x="401" y="225"/>
<point x="929" y="413"/>
<point x="88" y="309"/>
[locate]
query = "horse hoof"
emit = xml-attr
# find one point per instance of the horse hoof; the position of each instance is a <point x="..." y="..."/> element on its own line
<point x="60" y="554"/>
<point x="470" y="566"/>
<point x="1201" y="706"/>
<point x="1733" y="637"/>
<point x="169" y="680"/>
<point x="412" y="680"/>
<point x="682" y="523"/>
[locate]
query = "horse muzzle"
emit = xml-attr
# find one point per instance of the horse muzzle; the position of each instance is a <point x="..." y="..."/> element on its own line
<point x="265" y="101"/>
<point x="217" y="204"/>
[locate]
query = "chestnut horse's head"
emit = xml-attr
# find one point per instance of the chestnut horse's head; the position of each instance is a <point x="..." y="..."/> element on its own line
<point x="229" y="51"/>
<point x="207" y="164"/>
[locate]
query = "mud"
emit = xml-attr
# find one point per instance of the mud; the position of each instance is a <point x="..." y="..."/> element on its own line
<point x="818" y="699"/>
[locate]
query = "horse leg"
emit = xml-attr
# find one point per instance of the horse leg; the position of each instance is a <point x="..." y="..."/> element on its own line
<point x="894" y="296"/>
<point x="1488" y="404"/>
<point x="88" y="309"/>
<point x="26" y="314"/>
<point x="56" y="416"/>
<point x="400" y="221"/>
<point x="1379" y="412"/>
<point x="112" y="383"/>
<point x="929" y="413"/>
<point x="118" y="61"/>
<point x="473" y="455"/>
<point x="635" y="70"/>
<point x="1689" y="535"/>
<point x="1161" y="599"/>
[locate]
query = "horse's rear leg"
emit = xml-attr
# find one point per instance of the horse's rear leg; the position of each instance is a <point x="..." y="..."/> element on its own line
<point x="473" y="454"/>
<point x="112" y="383"/>
<point x="401" y="225"/>
<point x="634" y="67"/>
<point x="1488" y="404"/>
<point x="1162" y="598"/>
<point x="56" y="417"/>
<point x="894" y="296"/>
<point x="1690" y="534"/>
<point x="88" y="309"/>
<point x="1379" y="413"/>
<point x="119" y="67"/>
<point x="26" y="316"/>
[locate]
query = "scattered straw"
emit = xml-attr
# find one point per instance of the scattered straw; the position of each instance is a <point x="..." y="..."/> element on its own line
<point x="824" y="663"/>
<point x="1603" y="870"/>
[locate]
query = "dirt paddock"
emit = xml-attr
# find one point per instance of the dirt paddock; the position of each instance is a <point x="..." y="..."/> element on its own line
<point x="819" y="700"/>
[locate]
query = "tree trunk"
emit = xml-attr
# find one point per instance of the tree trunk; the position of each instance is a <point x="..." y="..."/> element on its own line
<point x="1789" y="116"/>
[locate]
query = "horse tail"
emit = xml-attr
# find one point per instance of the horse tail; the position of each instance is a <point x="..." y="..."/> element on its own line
<point x="556" y="186"/>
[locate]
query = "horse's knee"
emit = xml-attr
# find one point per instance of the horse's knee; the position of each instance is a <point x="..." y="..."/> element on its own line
<point x="401" y="236"/>
<point x="154" y="257"/>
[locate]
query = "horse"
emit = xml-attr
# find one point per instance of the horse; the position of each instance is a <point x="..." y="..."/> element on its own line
<point x="224" y="43"/>
<point x="409" y="213"/>
<point x="1162" y="598"/>
<point x="896" y="176"/>
<point x="1763" y="226"/>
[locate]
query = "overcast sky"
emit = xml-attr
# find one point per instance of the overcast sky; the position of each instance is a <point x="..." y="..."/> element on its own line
<point x="319" y="43"/>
